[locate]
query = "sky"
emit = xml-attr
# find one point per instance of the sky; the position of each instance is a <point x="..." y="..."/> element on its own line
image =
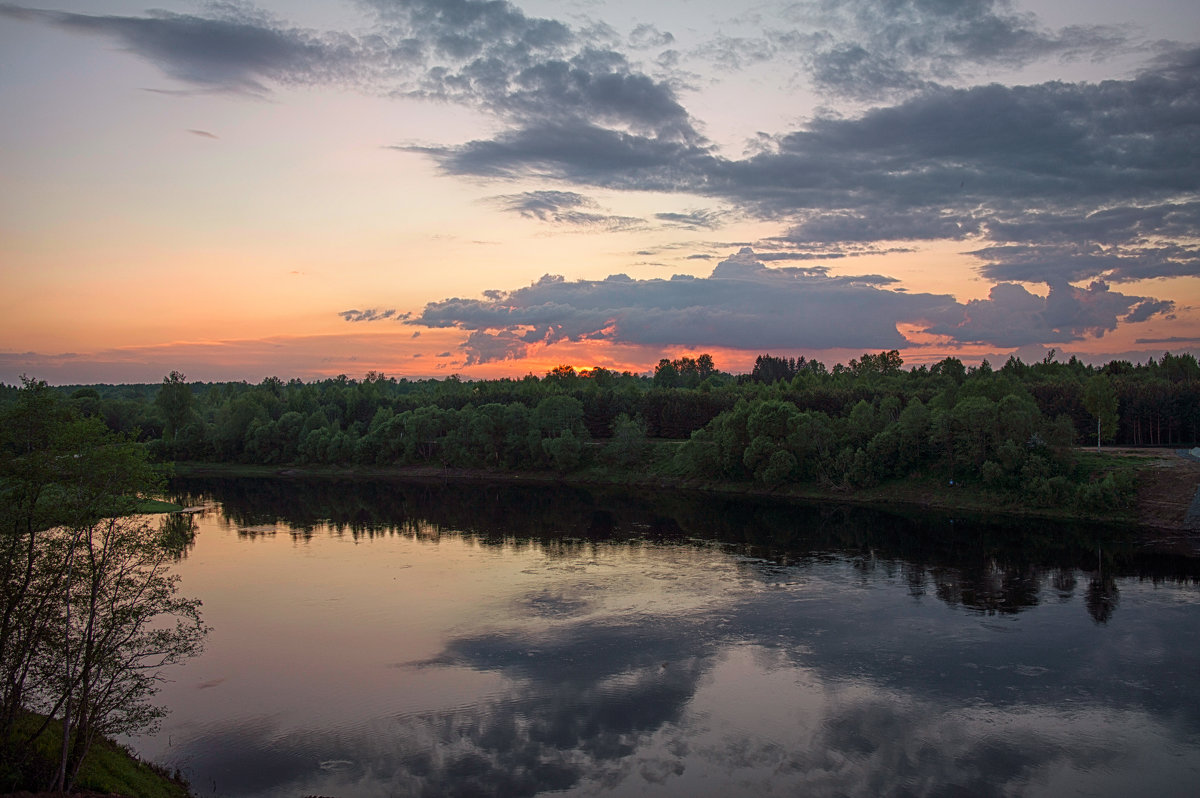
<point x="421" y="188"/>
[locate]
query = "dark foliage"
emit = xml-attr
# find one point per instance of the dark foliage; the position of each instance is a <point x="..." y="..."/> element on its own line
<point x="791" y="419"/>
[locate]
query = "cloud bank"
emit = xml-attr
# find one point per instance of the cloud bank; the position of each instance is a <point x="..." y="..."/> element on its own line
<point x="745" y="304"/>
<point x="1064" y="181"/>
<point x="869" y="48"/>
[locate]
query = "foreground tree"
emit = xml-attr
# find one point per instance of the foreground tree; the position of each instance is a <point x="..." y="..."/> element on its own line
<point x="89" y="613"/>
<point x="26" y="474"/>
<point x="123" y="623"/>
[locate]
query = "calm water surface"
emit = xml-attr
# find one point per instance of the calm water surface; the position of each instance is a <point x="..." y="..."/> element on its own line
<point x="379" y="639"/>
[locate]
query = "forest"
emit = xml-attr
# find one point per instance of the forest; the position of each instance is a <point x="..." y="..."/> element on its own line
<point x="1012" y="430"/>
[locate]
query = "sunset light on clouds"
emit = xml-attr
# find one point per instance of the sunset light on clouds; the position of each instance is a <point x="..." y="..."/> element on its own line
<point x="427" y="187"/>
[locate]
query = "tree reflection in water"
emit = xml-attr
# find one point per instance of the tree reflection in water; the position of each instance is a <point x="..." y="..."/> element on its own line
<point x="692" y="645"/>
<point x="986" y="566"/>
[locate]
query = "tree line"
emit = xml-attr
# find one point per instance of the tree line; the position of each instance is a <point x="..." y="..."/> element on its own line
<point x="790" y="420"/>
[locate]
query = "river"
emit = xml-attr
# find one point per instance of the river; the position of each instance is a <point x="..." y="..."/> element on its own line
<point x="374" y="639"/>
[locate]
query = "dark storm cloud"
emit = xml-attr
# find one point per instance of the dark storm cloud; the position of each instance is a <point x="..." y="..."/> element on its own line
<point x="1110" y="163"/>
<point x="770" y="257"/>
<point x="460" y="29"/>
<point x="692" y="220"/>
<point x="1174" y="339"/>
<point x="1082" y="260"/>
<point x="566" y="208"/>
<point x="988" y="153"/>
<point x="1084" y="164"/>
<point x="872" y="49"/>
<point x="236" y="51"/>
<point x="1011" y="316"/>
<point x="977" y="155"/>
<point x="1148" y="308"/>
<point x="543" y="205"/>
<point x="490" y="53"/>
<point x="744" y="304"/>
<point x="868" y="48"/>
<point x="882" y="225"/>
<point x="486" y="346"/>
<point x="485" y="53"/>
<point x="592" y="85"/>
<point x="1128" y="242"/>
<point x="576" y="151"/>
<point x="1111" y="225"/>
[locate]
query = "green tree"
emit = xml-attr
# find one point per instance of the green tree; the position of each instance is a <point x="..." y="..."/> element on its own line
<point x="628" y="444"/>
<point x="812" y="440"/>
<point x="769" y="426"/>
<point x="863" y="423"/>
<point x="950" y="367"/>
<point x="233" y="421"/>
<point x="123" y="623"/>
<point x="1100" y="399"/>
<point x="176" y="403"/>
<point x="564" y="451"/>
<point x="974" y="422"/>
<point x="32" y="461"/>
<point x="423" y="431"/>
<point x="563" y="376"/>
<point x="666" y="375"/>
<point x="914" y="431"/>
<point x="554" y="414"/>
<point x="84" y="590"/>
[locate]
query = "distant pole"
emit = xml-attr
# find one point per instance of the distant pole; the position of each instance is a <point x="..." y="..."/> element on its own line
<point x="1097" y="434"/>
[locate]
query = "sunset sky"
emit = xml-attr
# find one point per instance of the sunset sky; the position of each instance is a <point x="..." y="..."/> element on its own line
<point x="426" y="187"/>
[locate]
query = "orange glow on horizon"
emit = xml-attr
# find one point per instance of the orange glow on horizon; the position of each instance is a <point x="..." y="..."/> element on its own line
<point x="436" y="353"/>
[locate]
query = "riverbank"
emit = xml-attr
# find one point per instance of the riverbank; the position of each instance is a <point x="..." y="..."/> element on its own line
<point x="108" y="770"/>
<point x="1168" y="489"/>
<point x="1166" y="483"/>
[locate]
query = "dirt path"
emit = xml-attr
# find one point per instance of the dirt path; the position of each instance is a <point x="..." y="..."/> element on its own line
<point x="1167" y="493"/>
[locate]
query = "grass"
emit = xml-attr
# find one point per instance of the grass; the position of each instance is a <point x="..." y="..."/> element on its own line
<point x="109" y="768"/>
<point x="155" y="506"/>
<point x="113" y="769"/>
<point x="1093" y="461"/>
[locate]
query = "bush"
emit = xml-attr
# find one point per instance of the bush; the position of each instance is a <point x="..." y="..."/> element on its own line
<point x="564" y="451"/>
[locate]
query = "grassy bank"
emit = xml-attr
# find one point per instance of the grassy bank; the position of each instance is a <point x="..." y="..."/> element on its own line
<point x="109" y="768"/>
<point x="157" y="506"/>
<point x="923" y="491"/>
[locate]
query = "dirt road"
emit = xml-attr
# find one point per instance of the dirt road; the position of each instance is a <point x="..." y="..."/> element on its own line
<point x="1167" y="491"/>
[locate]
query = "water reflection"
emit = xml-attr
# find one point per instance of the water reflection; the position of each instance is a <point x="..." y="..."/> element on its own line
<point x="178" y="533"/>
<point x="424" y="640"/>
<point x="992" y="567"/>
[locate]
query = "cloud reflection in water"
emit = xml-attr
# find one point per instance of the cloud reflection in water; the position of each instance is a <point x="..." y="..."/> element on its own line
<point x="668" y="668"/>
